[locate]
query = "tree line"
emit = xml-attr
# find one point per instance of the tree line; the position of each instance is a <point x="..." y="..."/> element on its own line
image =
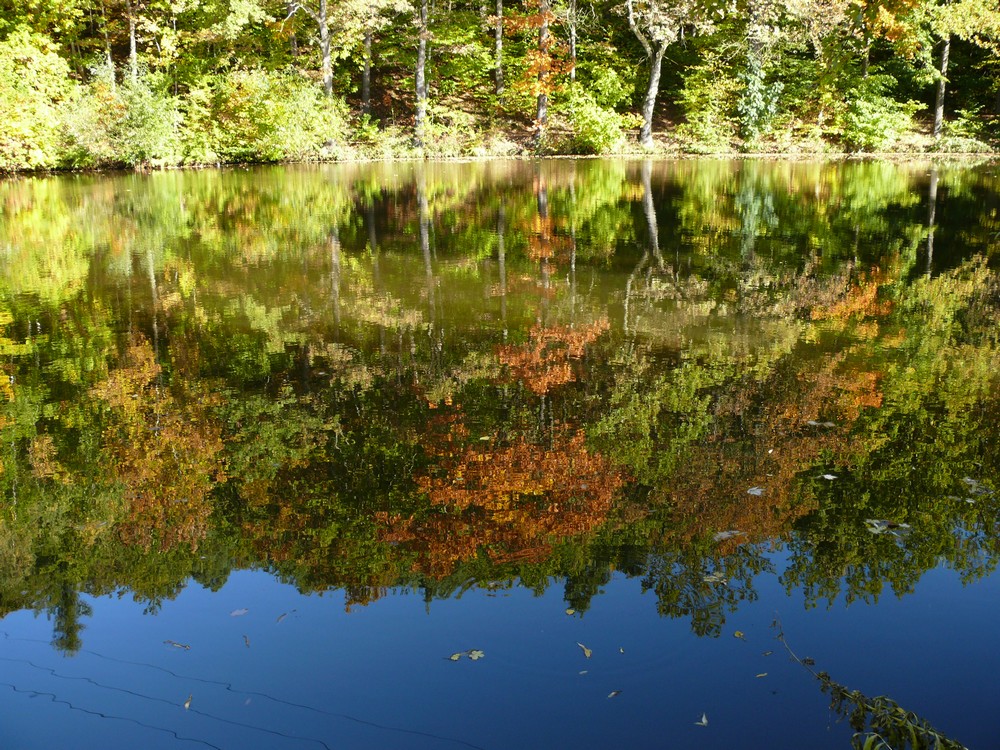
<point x="92" y="83"/>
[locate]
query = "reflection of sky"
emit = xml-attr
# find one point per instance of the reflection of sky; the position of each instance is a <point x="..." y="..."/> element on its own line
<point x="386" y="665"/>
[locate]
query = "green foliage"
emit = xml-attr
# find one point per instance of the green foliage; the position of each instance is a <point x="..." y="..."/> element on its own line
<point x="758" y="103"/>
<point x="964" y="133"/>
<point x="34" y="85"/>
<point x="873" y="120"/>
<point x="709" y="99"/>
<point x="261" y="116"/>
<point x="593" y="129"/>
<point x="130" y="123"/>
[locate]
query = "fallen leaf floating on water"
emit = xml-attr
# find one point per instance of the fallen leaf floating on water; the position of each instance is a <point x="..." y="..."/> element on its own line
<point x="583" y="671"/>
<point x="473" y="653"/>
<point x="570" y="611"/>
<point x="621" y="650"/>
<point x="175" y="644"/>
<point x="613" y="693"/>
<point x="756" y="491"/>
<point x="761" y="674"/>
<point x="767" y="653"/>
<point x="703" y="722"/>
<point x="187" y="703"/>
<point x="586" y="651"/>
<point x="282" y="616"/>
<point x="246" y="640"/>
<point x="882" y="526"/>
<point x="809" y="662"/>
<point x="976" y="487"/>
<point x="740" y="634"/>
<point x="722" y="536"/>
<point x="238" y="612"/>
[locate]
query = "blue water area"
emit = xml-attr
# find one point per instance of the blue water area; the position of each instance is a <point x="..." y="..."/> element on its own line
<point x="380" y="675"/>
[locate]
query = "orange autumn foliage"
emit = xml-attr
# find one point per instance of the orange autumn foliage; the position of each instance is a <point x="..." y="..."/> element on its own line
<point x="513" y="502"/>
<point x="543" y="363"/>
<point x="163" y="448"/>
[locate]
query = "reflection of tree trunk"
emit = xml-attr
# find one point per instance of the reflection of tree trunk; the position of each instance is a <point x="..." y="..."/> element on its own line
<point x="572" y="247"/>
<point x="942" y="84"/>
<point x="544" y="239"/>
<point x="373" y="244"/>
<point x="425" y="236"/>
<point x="151" y="269"/>
<point x="931" y="212"/>
<point x="67" y="613"/>
<point x="502" y="260"/>
<point x="335" y="272"/>
<point x="650" y="211"/>
<point x="630" y="285"/>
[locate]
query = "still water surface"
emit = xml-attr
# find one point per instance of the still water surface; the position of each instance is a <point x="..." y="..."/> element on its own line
<point x="594" y="454"/>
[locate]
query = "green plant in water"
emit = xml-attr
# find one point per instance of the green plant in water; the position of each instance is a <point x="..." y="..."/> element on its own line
<point x="879" y="723"/>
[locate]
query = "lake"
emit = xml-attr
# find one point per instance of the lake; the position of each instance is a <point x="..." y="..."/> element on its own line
<point x="589" y="454"/>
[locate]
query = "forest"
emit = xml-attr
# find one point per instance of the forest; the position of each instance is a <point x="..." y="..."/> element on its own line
<point x="157" y="83"/>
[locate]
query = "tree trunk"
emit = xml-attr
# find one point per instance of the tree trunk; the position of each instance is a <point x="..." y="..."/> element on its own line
<point x="324" y="45"/>
<point x="942" y="83"/>
<point x="498" y="71"/>
<point x="542" y="113"/>
<point x="366" y="76"/>
<point x="421" y="82"/>
<point x="133" y="52"/>
<point x="649" y="103"/>
<point x="107" y="45"/>
<point x="293" y="41"/>
<point x="572" y="41"/>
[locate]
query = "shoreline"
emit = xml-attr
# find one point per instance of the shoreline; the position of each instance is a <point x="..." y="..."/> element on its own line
<point x="892" y="157"/>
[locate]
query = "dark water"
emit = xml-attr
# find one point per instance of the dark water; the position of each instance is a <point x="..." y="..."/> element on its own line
<point x="444" y="456"/>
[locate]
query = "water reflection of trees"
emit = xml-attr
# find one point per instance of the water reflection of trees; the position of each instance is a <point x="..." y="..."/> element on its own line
<point x="449" y="376"/>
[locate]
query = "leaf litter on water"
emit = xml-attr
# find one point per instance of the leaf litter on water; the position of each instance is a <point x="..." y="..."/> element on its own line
<point x="703" y="722"/>
<point x="474" y="654"/>
<point x="613" y="693"/>
<point x="586" y="651"/>
<point x="722" y="536"/>
<point x="239" y="612"/>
